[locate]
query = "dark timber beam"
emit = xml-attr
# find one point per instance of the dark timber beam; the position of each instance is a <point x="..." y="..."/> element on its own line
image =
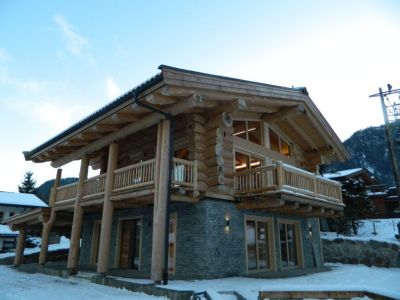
<point x="260" y="204"/>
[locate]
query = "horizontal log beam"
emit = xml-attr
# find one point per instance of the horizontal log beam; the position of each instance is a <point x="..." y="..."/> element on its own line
<point x="285" y="113"/>
<point x="158" y="99"/>
<point x="124" y="117"/>
<point x="105" y="128"/>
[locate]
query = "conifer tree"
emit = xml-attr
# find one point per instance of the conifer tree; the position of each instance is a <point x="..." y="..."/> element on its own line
<point x="27" y="184"/>
<point x="358" y="206"/>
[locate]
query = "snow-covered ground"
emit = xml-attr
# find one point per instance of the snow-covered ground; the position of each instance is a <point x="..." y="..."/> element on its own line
<point x="20" y="286"/>
<point x="385" y="230"/>
<point x="16" y="285"/>
<point x="383" y="281"/>
<point x="64" y="244"/>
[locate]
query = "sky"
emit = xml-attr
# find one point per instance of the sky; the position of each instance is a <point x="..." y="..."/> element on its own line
<point x="61" y="60"/>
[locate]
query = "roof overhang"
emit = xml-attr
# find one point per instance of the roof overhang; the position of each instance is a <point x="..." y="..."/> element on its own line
<point x="178" y="91"/>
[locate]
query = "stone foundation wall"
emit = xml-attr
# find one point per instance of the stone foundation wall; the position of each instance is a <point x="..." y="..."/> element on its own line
<point x="370" y="253"/>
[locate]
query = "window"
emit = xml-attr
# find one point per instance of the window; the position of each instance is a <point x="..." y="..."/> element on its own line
<point x="246" y="161"/>
<point x="248" y="130"/>
<point x="259" y="243"/>
<point x="172" y="244"/>
<point x="289" y="236"/>
<point x="278" y="144"/>
<point x="129" y="243"/>
<point x="1" y="216"/>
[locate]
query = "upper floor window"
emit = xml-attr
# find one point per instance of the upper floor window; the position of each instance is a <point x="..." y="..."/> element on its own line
<point x="278" y="144"/>
<point x="245" y="161"/>
<point x="248" y="130"/>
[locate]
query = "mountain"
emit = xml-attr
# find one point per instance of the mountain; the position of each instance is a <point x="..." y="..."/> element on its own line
<point x="368" y="149"/>
<point x="43" y="191"/>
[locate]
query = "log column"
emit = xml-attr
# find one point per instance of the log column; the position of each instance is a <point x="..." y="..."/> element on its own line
<point x="49" y="224"/>
<point x="19" y="253"/>
<point x="160" y="200"/>
<point x="106" y="220"/>
<point x="76" y="229"/>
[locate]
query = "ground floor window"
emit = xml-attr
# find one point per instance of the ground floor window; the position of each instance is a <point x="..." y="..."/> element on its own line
<point x="172" y="243"/>
<point x="130" y="235"/>
<point x="259" y="243"/>
<point x="290" y="245"/>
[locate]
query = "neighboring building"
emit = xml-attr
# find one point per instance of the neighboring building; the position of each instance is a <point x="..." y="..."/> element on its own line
<point x="244" y="198"/>
<point x="385" y="199"/>
<point x="12" y="204"/>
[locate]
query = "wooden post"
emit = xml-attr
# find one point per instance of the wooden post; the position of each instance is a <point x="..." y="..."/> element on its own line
<point x="106" y="220"/>
<point x="19" y="253"/>
<point x="76" y="229"/>
<point x="160" y="201"/>
<point x="279" y="175"/>
<point x="49" y="224"/>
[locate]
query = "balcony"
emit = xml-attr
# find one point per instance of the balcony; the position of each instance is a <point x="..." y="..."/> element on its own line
<point x="130" y="181"/>
<point x="280" y="180"/>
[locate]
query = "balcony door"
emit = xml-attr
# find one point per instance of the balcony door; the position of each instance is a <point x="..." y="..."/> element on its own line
<point x="130" y="240"/>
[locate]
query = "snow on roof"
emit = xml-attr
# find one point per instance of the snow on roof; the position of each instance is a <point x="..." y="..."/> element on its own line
<point x="20" y="199"/>
<point x="5" y="230"/>
<point x="342" y="173"/>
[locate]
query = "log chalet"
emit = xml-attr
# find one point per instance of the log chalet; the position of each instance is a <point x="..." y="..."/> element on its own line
<point x="199" y="176"/>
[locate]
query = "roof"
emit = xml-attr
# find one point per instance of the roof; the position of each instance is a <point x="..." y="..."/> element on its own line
<point x="20" y="199"/>
<point x="343" y="173"/>
<point x="60" y="149"/>
<point x="128" y="95"/>
<point x="6" y="231"/>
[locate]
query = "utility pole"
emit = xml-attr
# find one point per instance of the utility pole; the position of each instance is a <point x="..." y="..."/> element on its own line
<point x="391" y="113"/>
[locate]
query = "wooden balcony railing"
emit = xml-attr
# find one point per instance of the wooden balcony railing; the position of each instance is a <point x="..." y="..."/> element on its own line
<point x="95" y="186"/>
<point x="282" y="177"/>
<point x="134" y="176"/>
<point x="184" y="173"/>
<point x="66" y="192"/>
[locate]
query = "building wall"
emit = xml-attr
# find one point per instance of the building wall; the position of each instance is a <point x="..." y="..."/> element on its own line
<point x="204" y="249"/>
<point x="8" y="211"/>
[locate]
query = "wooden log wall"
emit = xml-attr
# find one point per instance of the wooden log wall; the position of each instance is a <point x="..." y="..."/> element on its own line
<point x="197" y="146"/>
<point x="219" y="153"/>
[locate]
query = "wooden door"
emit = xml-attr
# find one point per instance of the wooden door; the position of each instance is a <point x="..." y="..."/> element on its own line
<point x="130" y="244"/>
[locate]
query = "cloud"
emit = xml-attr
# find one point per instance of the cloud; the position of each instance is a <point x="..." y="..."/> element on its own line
<point x="4" y="55"/>
<point x="75" y="42"/>
<point x="112" y="89"/>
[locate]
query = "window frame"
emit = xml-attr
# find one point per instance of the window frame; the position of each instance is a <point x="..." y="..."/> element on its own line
<point x="247" y="129"/>
<point x="271" y="243"/>
<point x="299" y="244"/>
<point x="280" y="137"/>
<point x="250" y="155"/>
<point x="95" y="242"/>
<point x="119" y="236"/>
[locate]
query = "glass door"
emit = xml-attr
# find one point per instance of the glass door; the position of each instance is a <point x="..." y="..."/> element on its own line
<point x="258" y="245"/>
<point x="130" y="244"/>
